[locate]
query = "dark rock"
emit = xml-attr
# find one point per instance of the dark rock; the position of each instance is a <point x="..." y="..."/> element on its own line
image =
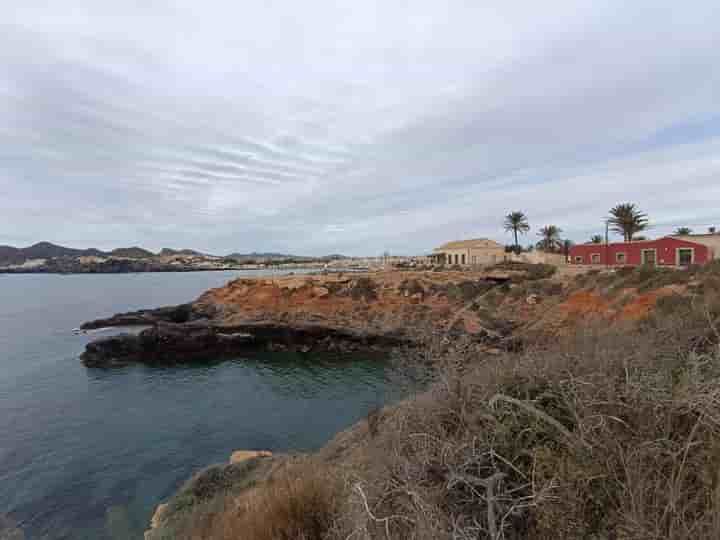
<point x="171" y="343"/>
<point x="144" y="317"/>
<point x="165" y="343"/>
<point x="112" y="351"/>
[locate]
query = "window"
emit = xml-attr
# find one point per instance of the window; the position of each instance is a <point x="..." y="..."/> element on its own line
<point x="685" y="256"/>
<point x="648" y="256"/>
<point x="457" y="259"/>
<point x="595" y="258"/>
<point x="620" y="258"/>
<point x="449" y="259"/>
<point x="463" y="258"/>
<point x="578" y="259"/>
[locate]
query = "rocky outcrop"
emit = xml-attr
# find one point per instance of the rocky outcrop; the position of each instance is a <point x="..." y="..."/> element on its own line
<point x="305" y="313"/>
<point x="164" y="343"/>
<point x="146" y="317"/>
<point x="169" y="343"/>
<point x="238" y="456"/>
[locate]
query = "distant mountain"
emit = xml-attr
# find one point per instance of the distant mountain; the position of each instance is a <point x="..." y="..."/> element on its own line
<point x="256" y="255"/>
<point x="132" y="253"/>
<point x="11" y="255"/>
<point x="167" y="252"/>
<point x="43" y="250"/>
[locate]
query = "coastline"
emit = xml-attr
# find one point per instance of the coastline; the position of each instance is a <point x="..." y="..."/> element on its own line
<point x="339" y="312"/>
<point x="428" y="441"/>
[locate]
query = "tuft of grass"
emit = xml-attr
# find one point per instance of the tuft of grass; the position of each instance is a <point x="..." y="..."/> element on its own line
<point x="467" y="290"/>
<point x="300" y="502"/>
<point x="364" y="288"/>
<point x="531" y="271"/>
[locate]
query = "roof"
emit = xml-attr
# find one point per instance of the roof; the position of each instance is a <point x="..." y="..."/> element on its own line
<point x="477" y="243"/>
<point x="634" y="242"/>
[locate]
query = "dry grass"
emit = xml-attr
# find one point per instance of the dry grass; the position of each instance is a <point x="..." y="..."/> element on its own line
<point x="613" y="434"/>
<point x="299" y="502"/>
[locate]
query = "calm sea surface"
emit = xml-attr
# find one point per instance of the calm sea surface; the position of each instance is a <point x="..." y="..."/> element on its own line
<point x="89" y="453"/>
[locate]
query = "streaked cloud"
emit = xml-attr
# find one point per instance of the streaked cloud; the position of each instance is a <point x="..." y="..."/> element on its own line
<point x="320" y="126"/>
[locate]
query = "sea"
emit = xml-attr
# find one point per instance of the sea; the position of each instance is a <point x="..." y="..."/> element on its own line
<point x="88" y="453"/>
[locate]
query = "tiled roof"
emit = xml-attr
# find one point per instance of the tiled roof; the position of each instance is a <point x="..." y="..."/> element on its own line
<point x="472" y="243"/>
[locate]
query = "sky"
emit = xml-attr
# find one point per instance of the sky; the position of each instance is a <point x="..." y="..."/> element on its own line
<point x="329" y="126"/>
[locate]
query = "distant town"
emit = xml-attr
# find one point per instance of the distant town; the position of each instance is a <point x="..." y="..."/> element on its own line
<point x="48" y="258"/>
<point x="682" y="248"/>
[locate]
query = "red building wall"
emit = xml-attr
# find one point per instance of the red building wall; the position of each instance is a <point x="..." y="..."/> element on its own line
<point x="665" y="250"/>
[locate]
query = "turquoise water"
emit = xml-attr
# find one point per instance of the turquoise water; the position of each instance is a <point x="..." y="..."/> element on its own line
<point x="88" y="453"/>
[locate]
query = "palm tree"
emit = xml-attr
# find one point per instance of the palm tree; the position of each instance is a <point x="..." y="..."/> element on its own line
<point x="596" y="239"/>
<point x="683" y="231"/>
<point x="517" y="222"/>
<point x="566" y="245"/>
<point x="550" y="238"/>
<point x="628" y="220"/>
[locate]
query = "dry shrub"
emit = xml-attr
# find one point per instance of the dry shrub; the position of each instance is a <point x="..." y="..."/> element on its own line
<point x="614" y="434"/>
<point x="299" y="502"/>
<point x="364" y="288"/>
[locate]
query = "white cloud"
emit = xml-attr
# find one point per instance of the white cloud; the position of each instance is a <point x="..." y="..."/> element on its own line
<point x="322" y="126"/>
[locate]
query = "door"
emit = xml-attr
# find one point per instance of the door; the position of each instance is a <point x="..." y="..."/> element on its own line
<point x="648" y="257"/>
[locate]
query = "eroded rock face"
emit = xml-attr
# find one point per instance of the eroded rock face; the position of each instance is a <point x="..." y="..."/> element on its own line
<point x="114" y="350"/>
<point x="301" y="313"/>
<point x="165" y="343"/>
<point x="145" y="317"/>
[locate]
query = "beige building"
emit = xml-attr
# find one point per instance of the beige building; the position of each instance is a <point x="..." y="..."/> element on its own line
<point x="710" y="240"/>
<point x="479" y="251"/>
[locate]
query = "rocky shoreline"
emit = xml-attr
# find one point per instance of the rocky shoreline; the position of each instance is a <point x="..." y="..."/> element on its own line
<point x="299" y="313"/>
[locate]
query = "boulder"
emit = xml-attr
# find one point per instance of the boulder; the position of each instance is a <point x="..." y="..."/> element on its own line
<point x="321" y="292"/>
<point x="113" y="350"/>
<point x="243" y="455"/>
<point x="158" y="516"/>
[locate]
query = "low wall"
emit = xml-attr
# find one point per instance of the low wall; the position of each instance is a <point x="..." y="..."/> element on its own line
<point x="539" y="257"/>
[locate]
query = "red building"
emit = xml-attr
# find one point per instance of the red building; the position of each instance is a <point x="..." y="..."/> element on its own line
<point x="667" y="251"/>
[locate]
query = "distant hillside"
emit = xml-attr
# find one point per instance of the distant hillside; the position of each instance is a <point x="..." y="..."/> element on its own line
<point x="43" y="250"/>
<point x="11" y="255"/>
<point x="132" y="253"/>
<point x="167" y="252"/>
<point x="256" y="255"/>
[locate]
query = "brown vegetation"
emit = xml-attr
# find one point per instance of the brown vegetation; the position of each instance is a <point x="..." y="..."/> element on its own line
<point x="610" y="433"/>
<point x="298" y="502"/>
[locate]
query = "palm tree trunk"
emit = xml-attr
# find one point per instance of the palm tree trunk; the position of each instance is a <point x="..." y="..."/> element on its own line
<point x="516" y="240"/>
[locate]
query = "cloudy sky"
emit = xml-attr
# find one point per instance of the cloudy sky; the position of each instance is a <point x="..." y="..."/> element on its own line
<point x="356" y="127"/>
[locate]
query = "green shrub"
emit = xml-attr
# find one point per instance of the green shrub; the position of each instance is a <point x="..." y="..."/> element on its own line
<point x="673" y="303"/>
<point x="466" y="291"/>
<point x="364" y="288"/>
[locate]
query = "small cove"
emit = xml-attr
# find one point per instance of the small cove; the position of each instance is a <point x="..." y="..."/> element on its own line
<point x="88" y="453"/>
